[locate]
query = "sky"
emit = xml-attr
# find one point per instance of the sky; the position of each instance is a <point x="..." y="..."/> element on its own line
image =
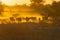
<point x="21" y="2"/>
<point x="14" y="2"/>
<point x="50" y="1"/>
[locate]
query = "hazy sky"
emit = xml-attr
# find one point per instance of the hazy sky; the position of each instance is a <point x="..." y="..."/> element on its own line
<point x="14" y="2"/>
<point x="50" y="1"/>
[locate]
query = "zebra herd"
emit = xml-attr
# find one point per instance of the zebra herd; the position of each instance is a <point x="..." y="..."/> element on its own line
<point x="19" y="20"/>
<point x="23" y="19"/>
<point x="26" y="19"/>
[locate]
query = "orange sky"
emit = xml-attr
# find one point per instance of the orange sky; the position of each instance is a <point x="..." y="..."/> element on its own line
<point x="50" y="1"/>
<point x="21" y="2"/>
<point x="14" y="2"/>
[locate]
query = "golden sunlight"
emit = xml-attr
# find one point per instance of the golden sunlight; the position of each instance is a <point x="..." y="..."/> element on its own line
<point x="22" y="2"/>
<point x="14" y="2"/>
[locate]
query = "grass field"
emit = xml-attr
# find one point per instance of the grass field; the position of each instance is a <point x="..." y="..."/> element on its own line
<point x="28" y="31"/>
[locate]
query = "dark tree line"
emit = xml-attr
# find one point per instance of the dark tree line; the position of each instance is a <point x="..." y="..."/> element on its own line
<point x="47" y="10"/>
<point x="54" y="11"/>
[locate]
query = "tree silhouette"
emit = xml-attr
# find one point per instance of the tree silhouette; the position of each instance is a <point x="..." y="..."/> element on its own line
<point x="56" y="7"/>
<point x="36" y="5"/>
<point x="53" y="11"/>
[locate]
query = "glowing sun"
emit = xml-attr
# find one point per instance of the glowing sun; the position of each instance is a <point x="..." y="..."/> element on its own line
<point x="14" y="2"/>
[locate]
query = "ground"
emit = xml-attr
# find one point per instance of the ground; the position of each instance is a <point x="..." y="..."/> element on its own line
<point x="28" y="31"/>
